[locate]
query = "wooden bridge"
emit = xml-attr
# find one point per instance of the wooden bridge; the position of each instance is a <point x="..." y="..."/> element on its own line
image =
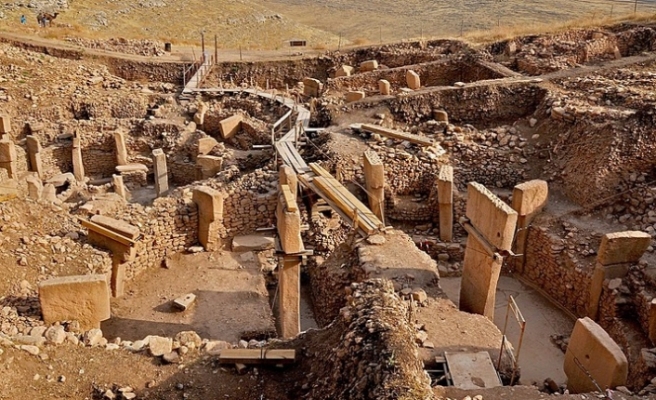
<point x="313" y="176"/>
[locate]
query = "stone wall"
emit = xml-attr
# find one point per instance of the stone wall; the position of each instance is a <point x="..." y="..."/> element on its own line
<point x="477" y="105"/>
<point x="552" y="266"/>
<point x="169" y="226"/>
<point x="436" y="73"/>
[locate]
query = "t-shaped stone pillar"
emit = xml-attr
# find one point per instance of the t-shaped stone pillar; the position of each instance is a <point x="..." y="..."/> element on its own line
<point x="286" y="176"/>
<point x="528" y="200"/>
<point x="591" y="352"/>
<point x="289" y="309"/>
<point x="78" y="166"/>
<point x="210" y="216"/>
<point x="491" y="231"/>
<point x="8" y="156"/>
<point x="34" y="153"/>
<point x="374" y="178"/>
<point x="445" y="202"/>
<point x="288" y="222"/>
<point x="161" y="172"/>
<point x="616" y="254"/>
<point x="121" y="150"/>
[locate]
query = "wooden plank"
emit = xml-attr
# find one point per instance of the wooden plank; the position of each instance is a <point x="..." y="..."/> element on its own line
<point x="368" y="214"/>
<point x="410" y="137"/>
<point x="106" y="232"/>
<point x="257" y="356"/>
<point x="290" y="201"/>
<point x="307" y="182"/>
<point x="345" y="205"/>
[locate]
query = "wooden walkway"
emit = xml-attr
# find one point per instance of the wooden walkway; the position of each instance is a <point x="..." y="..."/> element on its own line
<point x="312" y="176"/>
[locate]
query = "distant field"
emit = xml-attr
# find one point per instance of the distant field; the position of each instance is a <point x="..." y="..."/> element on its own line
<point x="268" y="24"/>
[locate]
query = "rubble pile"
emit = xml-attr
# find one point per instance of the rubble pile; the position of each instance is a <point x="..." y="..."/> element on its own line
<point x="373" y="354"/>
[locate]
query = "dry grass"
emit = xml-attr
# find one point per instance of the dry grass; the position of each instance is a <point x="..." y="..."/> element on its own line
<point x="592" y="20"/>
<point x="268" y="24"/>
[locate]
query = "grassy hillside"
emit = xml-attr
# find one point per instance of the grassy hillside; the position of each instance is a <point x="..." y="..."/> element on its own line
<point x="267" y="24"/>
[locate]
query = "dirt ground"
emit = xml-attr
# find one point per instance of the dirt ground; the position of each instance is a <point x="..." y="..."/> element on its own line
<point x="232" y="302"/>
<point x="539" y="357"/>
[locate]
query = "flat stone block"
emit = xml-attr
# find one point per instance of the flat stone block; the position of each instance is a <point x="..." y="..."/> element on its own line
<point x="5" y="124"/>
<point x="246" y="243"/>
<point x="369" y="65"/>
<point x="206" y="144"/>
<point x="374" y="174"/>
<point x="493" y="218"/>
<point x="384" y="87"/>
<point x="623" y="247"/>
<point x="289" y="230"/>
<point x="209" y="166"/>
<point x="7" y="150"/>
<point x="354" y="96"/>
<point x="412" y="80"/>
<point x="131" y="168"/>
<point x="123" y="228"/>
<point x="441" y="116"/>
<point x="480" y="275"/>
<point x="530" y="197"/>
<point x="598" y="353"/>
<point x="445" y="185"/>
<point x="344" y="70"/>
<point x="184" y="302"/>
<point x="83" y="298"/>
<point x="230" y="126"/>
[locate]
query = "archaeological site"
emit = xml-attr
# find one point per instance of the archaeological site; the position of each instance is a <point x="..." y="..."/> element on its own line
<point x="417" y="220"/>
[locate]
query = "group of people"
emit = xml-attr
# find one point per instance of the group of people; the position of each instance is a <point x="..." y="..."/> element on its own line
<point x="42" y="18"/>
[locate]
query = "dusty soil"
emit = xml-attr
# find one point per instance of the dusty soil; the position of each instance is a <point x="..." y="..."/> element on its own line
<point x="232" y="302"/>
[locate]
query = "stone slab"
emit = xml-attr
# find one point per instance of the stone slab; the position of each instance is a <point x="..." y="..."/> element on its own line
<point x="598" y="353"/>
<point x="530" y="197"/>
<point x="479" y="279"/>
<point x="246" y="243"/>
<point x="384" y="87"/>
<point x="472" y="370"/>
<point x="354" y="96"/>
<point x="374" y="173"/>
<point x="230" y="126"/>
<point x="116" y="225"/>
<point x="131" y="168"/>
<point x="344" y="70"/>
<point x="7" y="150"/>
<point x="206" y="144"/>
<point x="369" y="65"/>
<point x="209" y="166"/>
<point x="445" y="185"/>
<point x="493" y="218"/>
<point x="210" y="216"/>
<point x="412" y="80"/>
<point x="83" y="298"/>
<point x="5" y="124"/>
<point x="121" y="149"/>
<point x="623" y="247"/>
<point x="288" y="224"/>
<point x="290" y="297"/>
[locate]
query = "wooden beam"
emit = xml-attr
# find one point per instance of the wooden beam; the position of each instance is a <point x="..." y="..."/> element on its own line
<point x="410" y="137"/>
<point x="106" y="232"/>
<point x="345" y="205"/>
<point x="257" y="356"/>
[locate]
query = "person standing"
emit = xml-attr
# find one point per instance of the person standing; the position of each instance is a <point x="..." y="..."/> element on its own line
<point x="23" y="20"/>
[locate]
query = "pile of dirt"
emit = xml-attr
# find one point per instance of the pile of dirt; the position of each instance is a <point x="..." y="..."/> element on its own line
<point x="368" y="352"/>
